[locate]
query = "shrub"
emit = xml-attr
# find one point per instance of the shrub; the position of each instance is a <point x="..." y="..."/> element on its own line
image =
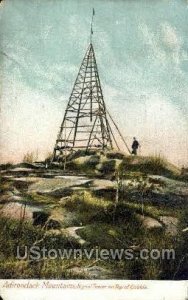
<point x="30" y="157"/>
<point x="109" y="166"/>
<point x="115" y="155"/>
<point x="49" y="156"/>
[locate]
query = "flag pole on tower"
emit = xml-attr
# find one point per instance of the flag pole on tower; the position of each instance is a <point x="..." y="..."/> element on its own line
<point x="91" y="32"/>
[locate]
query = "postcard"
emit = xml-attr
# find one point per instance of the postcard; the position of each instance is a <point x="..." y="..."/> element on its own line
<point x="94" y="149"/>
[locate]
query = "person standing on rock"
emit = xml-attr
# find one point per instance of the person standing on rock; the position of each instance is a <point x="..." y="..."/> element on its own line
<point x="135" y="146"/>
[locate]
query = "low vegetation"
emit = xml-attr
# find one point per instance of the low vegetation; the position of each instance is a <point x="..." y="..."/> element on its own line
<point x="105" y="164"/>
<point x="103" y="220"/>
<point x="16" y="235"/>
<point x="100" y="229"/>
<point x="30" y="157"/>
<point x="155" y="165"/>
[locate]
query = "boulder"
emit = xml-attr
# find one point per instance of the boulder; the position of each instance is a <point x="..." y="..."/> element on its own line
<point x="71" y="232"/>
<point x="16" y="211"/>
<point x="101" y="184"/>
<point x="185" y="229"/>
<point x="25" y="165"/>
<point x="170" y="223"/>
<point x="149" y="222"/>
<point x="59" y="187"/>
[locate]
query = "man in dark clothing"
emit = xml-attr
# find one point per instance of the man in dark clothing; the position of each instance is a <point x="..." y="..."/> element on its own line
<point x="135" y="146"/>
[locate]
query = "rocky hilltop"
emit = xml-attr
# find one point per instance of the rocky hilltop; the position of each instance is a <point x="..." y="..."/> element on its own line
<point x="104" y="200"/>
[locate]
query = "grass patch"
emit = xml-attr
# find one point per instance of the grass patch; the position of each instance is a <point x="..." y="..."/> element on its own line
<point x="36" y="199"/>
<point x="85" y="201"/>
<point x="6" y="166"/>
<point x="5" y="185"/>
<point x="155" y="165"/>
<point x="149" y="210"/>
<point x="90" y="209"/>
<point x="14" y="234"/>
<point x="87" y="207"/>
<point x="95" y="234"/>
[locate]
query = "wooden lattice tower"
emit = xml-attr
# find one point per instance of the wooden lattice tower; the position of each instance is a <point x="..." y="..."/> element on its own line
<point x="85" y="124"/>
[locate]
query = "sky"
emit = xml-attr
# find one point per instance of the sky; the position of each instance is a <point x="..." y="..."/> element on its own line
<point x="141" y="48"/>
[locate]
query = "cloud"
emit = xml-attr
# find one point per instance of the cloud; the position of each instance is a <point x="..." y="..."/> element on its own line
<point x="151" y="40"/>
<point x="172" y="41"/>
<point x="164" y="45"/>
<point x="170" y="37"/>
